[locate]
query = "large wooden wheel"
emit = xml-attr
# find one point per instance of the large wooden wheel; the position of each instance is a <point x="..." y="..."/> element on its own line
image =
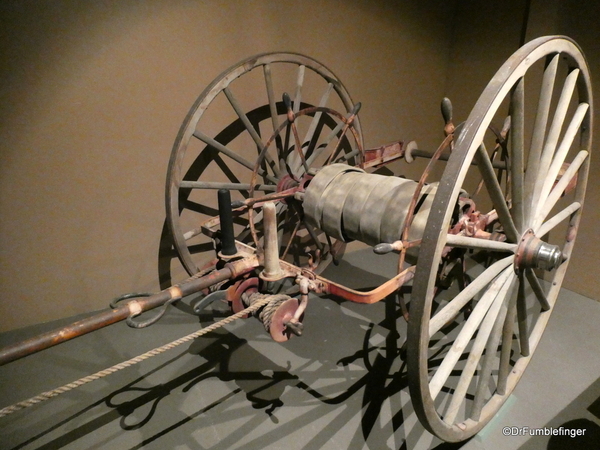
<point x="461" y="370"/>
<point x="220" y="145"/>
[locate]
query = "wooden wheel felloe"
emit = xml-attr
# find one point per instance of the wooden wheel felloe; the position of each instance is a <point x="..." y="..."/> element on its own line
<point x="460" y="374"/>
<point x="219" y="144"/>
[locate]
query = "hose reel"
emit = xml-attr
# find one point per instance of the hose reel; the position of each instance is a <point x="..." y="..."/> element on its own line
<point x="350" y="204"/>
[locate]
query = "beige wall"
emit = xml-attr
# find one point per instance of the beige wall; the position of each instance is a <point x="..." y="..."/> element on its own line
<point x="92" y="96"/>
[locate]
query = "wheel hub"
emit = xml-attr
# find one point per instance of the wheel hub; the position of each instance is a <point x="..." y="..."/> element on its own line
<point x="286" y="182"/>
<point x="533" y="253"/>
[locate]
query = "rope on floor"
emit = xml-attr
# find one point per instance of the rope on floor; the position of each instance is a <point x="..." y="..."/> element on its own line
<point x="256" y="305"/>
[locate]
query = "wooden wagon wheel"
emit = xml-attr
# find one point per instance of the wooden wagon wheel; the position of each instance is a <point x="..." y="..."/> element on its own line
<point x="223" y="134"/>
<point x="461" y="374"/>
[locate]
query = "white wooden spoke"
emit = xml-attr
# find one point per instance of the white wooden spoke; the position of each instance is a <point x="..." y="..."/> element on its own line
<point x="561" y="153"/>
<point x="271" y="96"/>
<point x="534" y="282"/>
<point x="522" y="317"/>
<point x="317" y="117"/>
<point x="507" y="344"/>
<point x="273" y="109"/>
<point x="232" y="154"/>
<point x="250" y="128"/>
<point x="449" y="311"/>
<point x="539" y="127"/>
<point x="494" y="189"/>
<point x="299" y="83"/>
<point x="466" y="333"/>
<point x="455" y="240"/>
<point x="491" y="351"/>
<point x="554" y="133"/>
<point x="517" y="120"/>
<point x="557" y="219"/>
<point x="483" y="333"/>
<point x="310" y="133"/>
<point x="559" y="189"/>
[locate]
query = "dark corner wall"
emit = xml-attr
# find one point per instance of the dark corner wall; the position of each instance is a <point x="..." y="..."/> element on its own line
<point x="92" y="95"/>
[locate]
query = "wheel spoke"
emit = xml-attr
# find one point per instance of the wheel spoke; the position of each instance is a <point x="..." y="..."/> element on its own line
<point x="308" y="137"/>
<point x="553" y="135"/>
<point x="483" y="333"/>
<point x="522" y="317"/>
<point x="455" y="240"/>
<point x="560" y="187"/>
<point x="485" y="373"/>
<point x="561" y="153"/>
<point x="466" y="333"/>
<point x="534" y="282"/>
<point x="271" y="97"/>
<point x="507" y="343"/>
<point x="232" y="154"/>
<point x="299" y="83"/>
<point x="557" y="219"/>
<point x="273" y="111"/>
<point x="250" y="128"/>
<point x="453" y="308"/>
<point x="539" y="128"/>
<point x="309" y="140"/>
<point x="517" y="153"/>
<point x="493" y="186"/>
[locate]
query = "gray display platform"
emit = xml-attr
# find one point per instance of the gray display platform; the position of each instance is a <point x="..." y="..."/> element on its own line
<point x="333" y="388"/>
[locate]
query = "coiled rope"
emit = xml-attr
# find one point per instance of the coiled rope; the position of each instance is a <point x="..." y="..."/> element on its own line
<point x="266" y="314"/>
<point x="255" y="304"/>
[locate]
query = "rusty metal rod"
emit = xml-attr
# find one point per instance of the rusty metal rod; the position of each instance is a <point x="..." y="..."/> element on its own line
<point x="121" y="312"/>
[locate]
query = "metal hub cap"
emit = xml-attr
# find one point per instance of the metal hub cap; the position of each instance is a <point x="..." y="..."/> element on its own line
<point x="536" y="254"/>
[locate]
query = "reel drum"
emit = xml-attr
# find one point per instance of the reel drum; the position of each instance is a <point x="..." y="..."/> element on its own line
<point x="349" y="204"/>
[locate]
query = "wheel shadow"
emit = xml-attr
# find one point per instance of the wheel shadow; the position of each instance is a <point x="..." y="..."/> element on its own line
<point x="342" y="384"/>
<point x="357" y="397"/>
